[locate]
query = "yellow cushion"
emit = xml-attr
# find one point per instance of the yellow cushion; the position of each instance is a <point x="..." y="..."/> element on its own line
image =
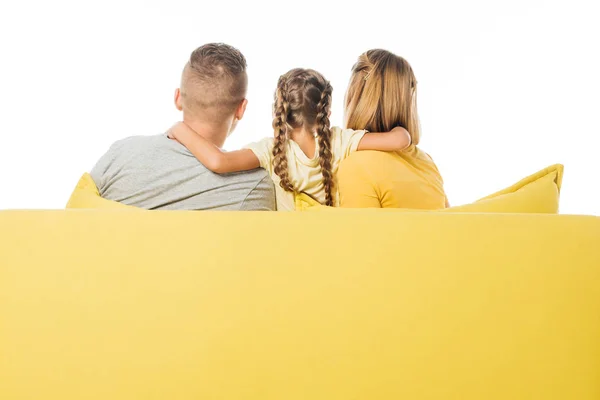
<point x="86" y="195"/>
<point x="354" y="304"/>
<point x="537" y="193"/>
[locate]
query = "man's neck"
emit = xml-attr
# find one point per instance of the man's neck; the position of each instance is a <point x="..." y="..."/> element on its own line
<point x="214" y="133"/>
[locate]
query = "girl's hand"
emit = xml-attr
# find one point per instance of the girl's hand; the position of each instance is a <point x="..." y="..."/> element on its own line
<point x="175" y="130"/>
<point x="400" y="130"/>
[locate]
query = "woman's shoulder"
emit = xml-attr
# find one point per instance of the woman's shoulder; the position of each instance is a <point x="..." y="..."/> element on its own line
<point x="370" y="156"/>
<point x="381" y="163"/>
<point x="368" y="164"/>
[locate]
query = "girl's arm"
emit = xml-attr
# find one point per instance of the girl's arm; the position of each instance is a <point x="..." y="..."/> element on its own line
<point x="210" y="155"/>
<point x="395" y="140"/>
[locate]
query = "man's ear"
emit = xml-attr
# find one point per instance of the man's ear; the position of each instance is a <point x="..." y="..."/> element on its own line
<point x="239" y="112"/>
<point x="178" y="100"/>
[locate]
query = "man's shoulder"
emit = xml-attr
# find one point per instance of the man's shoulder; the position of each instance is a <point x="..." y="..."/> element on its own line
<point x="258" y="176"/>
<point x="121" y="152"/>
<point x="261" y="195"/>
<point x="144" y="148"/>
<point x="136" y="141"/>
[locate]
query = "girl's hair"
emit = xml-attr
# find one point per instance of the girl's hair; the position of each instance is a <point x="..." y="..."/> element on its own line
<point x="382" y="94"/>
<point x="303" y="99"/>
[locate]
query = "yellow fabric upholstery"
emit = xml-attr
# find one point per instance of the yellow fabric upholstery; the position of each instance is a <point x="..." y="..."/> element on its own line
<point x="110" y="304"/>
<point x="86" y="195"/>
<point x="537" y="193"/>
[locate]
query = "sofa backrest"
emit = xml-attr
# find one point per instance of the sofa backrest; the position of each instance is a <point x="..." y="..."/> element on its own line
<point x="114" y="304"/>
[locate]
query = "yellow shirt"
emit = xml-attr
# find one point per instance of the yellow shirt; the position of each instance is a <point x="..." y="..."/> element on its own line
<point x="305" y="173"/>
<point x="406" y="179"/>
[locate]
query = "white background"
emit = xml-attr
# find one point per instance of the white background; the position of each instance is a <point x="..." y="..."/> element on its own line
<point x="505" y="87"/>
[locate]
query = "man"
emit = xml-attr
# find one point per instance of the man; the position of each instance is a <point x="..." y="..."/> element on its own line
<point x="157" y="173"/>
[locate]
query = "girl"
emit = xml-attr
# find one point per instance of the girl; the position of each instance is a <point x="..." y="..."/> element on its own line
<point x="305" y="153"/>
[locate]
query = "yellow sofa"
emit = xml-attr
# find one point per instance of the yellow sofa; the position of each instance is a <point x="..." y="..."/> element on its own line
<point x="105" y="302"/>
<point x="352" y="304"/>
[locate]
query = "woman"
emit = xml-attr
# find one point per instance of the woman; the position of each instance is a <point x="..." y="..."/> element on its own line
<point x="382" y="95"/>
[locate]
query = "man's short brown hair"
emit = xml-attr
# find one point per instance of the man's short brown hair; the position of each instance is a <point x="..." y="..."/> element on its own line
<point x="214" y="81"/>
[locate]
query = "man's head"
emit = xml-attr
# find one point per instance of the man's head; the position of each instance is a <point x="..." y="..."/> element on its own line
<point x="213" y="85"/>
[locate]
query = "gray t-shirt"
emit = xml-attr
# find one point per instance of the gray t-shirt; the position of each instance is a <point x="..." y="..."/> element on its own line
<point x="157" y="173"/>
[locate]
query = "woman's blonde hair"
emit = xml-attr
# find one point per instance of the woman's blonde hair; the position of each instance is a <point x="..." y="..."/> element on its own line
<point x="303" y="99"/>
<point x="382" y="94"/>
